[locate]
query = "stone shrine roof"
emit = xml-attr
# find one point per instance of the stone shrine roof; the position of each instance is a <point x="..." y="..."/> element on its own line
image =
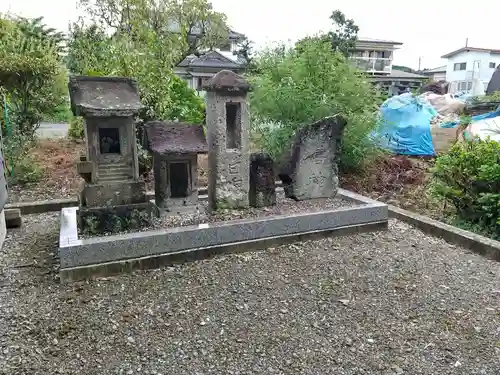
<point x="228" y="82"/>
<point x="104" y="96"/>
<point x="175" y="138"/>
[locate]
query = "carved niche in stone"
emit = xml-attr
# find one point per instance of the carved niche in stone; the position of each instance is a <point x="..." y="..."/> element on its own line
<point x="311" y="168"/>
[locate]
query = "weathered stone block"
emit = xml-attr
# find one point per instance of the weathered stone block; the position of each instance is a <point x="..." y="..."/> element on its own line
<point x="113" y="219"/>
<point x="113" y="194"/>
<point x="310" y="170"/>
<point x="13" y="218"/>
<point x="262" y="182"/>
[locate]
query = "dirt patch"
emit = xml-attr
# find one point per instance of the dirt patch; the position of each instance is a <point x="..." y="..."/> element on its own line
<point x="57" y="158"/>
<point x="401" y="181"/>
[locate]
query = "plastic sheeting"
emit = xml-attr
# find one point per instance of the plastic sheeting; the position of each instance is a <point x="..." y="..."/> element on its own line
<point x="405" y="126"/>
<point x="494" y="84"/>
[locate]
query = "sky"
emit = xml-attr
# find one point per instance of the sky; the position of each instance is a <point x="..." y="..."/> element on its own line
<point x="428" y="29"/>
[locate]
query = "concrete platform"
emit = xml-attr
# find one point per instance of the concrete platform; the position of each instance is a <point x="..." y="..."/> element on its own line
<point x="114" y="254"/>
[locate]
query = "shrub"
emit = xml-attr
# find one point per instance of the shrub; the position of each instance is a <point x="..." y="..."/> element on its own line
<point x="76" y="130"/>
<point x="298" y="87"/>
<point x="468" y="177"/>
<point x="26" y="171"/>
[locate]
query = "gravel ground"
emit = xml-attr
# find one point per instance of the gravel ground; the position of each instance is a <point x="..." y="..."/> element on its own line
<point x="397" y="302"/>
<point x="283" y="206"/>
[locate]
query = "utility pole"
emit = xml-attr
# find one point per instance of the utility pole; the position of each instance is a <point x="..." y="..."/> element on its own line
<point x="466" y="42"/>
<point x="419" y="63"/>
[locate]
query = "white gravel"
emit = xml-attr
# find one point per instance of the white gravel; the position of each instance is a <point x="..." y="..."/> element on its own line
<point x="397" y="302"/>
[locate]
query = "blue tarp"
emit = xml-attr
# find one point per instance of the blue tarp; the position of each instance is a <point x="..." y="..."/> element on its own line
<point x="405" y="126"/>
<point x="484" y="116"/>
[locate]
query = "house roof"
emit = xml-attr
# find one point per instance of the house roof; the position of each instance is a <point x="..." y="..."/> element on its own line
<point x="212" y="59"/>
<point x="401" y="74"/>
<point x="470" y="49"/>
<point x="175" y="138"/>
<point x="229" y="82"/>
<point x="439" y="69"/>
<point x="104" y="96"/>
<point x="381" y="41"/>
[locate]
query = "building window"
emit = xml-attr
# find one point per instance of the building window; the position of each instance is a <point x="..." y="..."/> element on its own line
<point x="200" y="83"/>
<point x="233" y="125"/>
<point x="226" y="47"/>
<point x="179" y="179"/>
<point x="492" y="65"/>
<point x="460" y="66"/>
<point x="469" y="86"/>
<point x="109" y="141"/>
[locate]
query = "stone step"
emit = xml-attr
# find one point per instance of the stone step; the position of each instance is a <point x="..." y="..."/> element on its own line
<point x="117" y="177"/>
<point x="110" y="171"/>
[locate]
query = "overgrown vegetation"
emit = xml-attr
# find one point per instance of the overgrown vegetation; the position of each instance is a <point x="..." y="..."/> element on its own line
<point x="147" y="40"/>
<point x="296" y="87"/>
<point x="468" y="178"/>
<point x="32" y="87"/>
<point x="76" y="130"/>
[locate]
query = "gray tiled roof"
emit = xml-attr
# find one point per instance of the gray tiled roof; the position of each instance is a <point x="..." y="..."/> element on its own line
<point x="103" y="96"/>
<point x="211" y="59"/>
<point x="401" y="74"/>
<point x="175" y="138"/>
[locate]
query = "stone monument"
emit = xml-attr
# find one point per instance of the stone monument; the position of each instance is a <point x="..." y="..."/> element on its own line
<point x="262" y="182"/>
<point x="228" y="144"/>
<point x="175" y="148"/>
<point x="110" y="169"/>
<point x="310" y="170"/>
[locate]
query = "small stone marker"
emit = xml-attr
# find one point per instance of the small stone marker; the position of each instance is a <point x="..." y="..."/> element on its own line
<point x="262" y="181"/>
<point x="13" y="218"/>
<point x="310" y="171"/>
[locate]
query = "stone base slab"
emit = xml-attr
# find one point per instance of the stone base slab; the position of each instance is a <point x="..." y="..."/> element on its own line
<point x="113" y="194"/>
<point x="93" y="252"/>
<point x="124" y="217"/>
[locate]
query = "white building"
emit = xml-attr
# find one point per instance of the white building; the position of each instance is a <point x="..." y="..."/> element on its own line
<point x="375" y="57"/>
<point x="467" y="63"/>
<point x="436" y="74"/>
<point x="197" y="70"/>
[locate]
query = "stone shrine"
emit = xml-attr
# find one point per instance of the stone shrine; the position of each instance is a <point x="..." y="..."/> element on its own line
<point x="262" y="182"/>
<point x="110" y="168"/>
<point x="311" y="169"/>
<point x="175" y="148"/>
<point x="228" y="143"/>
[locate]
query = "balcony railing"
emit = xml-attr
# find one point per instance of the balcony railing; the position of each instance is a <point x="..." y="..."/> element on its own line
<point x="372" y="64"/>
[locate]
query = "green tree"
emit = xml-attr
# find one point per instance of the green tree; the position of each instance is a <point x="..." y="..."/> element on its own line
<point x="298" y="87"/>
<point x="29" y="68"/>
<point x="184" y="27"/>
<point x="140" y="52"/>
<point x="345" y="33"/>
<point x="342" y="38"/>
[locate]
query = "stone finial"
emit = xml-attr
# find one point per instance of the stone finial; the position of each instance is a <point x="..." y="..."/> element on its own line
<point x="227" y="81"/>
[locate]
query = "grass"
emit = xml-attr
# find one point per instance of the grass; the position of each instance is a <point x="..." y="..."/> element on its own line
<point x="61" y="114"/>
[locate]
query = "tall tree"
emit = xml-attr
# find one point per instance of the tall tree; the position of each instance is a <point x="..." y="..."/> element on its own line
<point x="184" y="27"/>
<point x="345" y="34"/>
